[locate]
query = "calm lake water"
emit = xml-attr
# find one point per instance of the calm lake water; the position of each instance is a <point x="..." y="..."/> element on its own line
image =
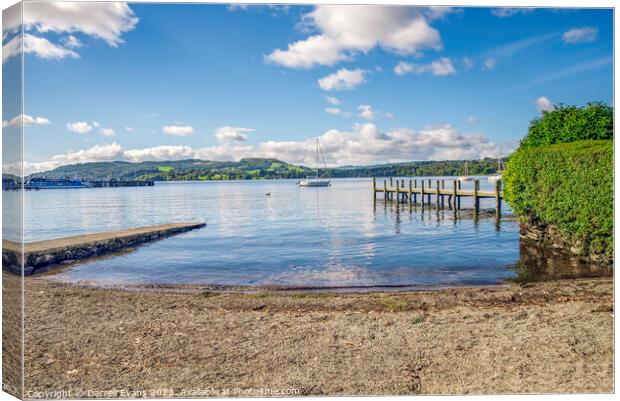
<point x="311" y="237"/>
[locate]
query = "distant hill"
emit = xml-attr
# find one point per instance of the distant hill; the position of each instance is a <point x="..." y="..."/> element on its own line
<point x="256" y="168"/>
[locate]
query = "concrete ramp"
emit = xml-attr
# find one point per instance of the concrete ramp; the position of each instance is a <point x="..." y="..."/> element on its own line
<point x="40" y="254"/>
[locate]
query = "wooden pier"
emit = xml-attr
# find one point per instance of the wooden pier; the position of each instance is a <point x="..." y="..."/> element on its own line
<point x="421" y="191"/>
<point x="40" y="254"/>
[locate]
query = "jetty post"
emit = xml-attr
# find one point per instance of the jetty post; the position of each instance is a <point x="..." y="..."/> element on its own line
<point x="454" y="195"/>
<point x="443" y="186"/>
<point x="428" y="197"/>
<point x="415" y="195"/>
<point x="437" y="193"/>
<point x="385" y="193"/>
<point x="476" y="198"/>
<point x="409" y="192"/>
<point x="374" y="187"/>
<point x="422" y="193"/>
<point x="458" y="206"/>
<point x="391" y="182"/>
<point x="498" y="199"/>
<point x="397" y="192"/>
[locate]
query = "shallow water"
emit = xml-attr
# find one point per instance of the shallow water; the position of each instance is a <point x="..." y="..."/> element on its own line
<point x="310" y="237"/>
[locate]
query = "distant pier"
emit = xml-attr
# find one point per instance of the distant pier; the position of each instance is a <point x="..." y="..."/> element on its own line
<point x="41" y="254"/>
<point x="65" y="184"/>
<point x="448" y="195"/>
<point x="120" y="183"/>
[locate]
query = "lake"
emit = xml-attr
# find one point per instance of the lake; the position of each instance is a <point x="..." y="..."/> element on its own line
<point x="295" y="237"/>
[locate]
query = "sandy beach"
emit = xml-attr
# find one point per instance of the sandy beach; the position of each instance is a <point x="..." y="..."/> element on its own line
<point x="550" y="337"/>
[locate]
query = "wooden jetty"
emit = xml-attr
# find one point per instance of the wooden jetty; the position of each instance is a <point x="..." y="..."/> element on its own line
<point x="40" y="254"/>
<point x="449" y="195"/>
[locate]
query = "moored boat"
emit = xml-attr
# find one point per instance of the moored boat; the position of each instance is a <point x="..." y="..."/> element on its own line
<point x="497" y="176"/>
<point x="466" y="176"/>
<point x="316" y="180"/>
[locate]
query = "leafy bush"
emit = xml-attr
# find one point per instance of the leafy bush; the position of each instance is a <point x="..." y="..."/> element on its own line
<point x="570" y="124"/>
<point x="567" y="185"/>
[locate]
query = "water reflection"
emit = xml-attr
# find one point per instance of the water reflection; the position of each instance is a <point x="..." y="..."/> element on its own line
<point x="334" y="236"/>
<point x="538" y="263"/>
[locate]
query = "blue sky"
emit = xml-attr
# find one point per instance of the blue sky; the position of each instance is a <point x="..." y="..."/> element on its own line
<point x="116" y="81"/>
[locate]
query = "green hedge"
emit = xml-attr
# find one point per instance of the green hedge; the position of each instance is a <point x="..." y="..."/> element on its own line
<point x="568" y="185"/>
<point x="564" y="124"/>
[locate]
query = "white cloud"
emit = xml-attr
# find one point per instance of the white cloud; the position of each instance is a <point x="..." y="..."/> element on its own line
<point x="178" y="130"/>
<point x="343" y="79"/>
<point x="468" y="63"/>
<point x="107" y="132"/>
<point x="107" y="21"/>
<point x="366" y="111"/>
<point x="472" y="120"/>
<point x="332" y="100"/>
<point x="72" y="42"/>
<point x="580" y="35"/>
<point x="544" y="104"/>
<point x="80" y="127"/>
<point x="440" y="67"/>
<point x="159" y="153"/>
<point x="35" y="45"/>
<point x="347" y="30"/>
<point x="333" y="110"/>
<point x="232" y="134"/>
<point x="364" y="144"/>
<point x="403" y="68"/>
<point x="274" y="9"/>
<point x="492" y="56"/>
<point x="490" y="63"/>
<point x="130" y="129"/>
<point x="506" y="12"/>
<point x="26" y="120"/>
<point x="389" y="116"/>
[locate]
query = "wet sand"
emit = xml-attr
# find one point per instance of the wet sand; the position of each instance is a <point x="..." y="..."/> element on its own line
<point x="549" y="337"/>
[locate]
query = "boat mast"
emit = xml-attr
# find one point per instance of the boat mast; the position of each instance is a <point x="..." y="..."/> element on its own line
<point x="317" y="157"/>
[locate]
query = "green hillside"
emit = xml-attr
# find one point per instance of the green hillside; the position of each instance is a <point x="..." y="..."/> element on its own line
<point x="256" y="168"/>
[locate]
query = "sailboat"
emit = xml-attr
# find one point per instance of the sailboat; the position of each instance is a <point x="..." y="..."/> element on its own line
<point x="466" y="177"/>
<point x="497" y="176"/>
<point x="315" y="181"/>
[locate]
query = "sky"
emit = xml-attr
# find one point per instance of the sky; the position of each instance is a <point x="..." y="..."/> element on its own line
<point x="375" y="84"/>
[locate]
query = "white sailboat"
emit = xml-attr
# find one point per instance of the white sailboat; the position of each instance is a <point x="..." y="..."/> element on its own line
<point x="497" y="176"/>
<point x="315" y="181"/>
<point x="466" y="177"/>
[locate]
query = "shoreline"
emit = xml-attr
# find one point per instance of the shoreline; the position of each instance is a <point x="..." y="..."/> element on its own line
<point x="473" y="340"/>
<point x="269" y="288"/>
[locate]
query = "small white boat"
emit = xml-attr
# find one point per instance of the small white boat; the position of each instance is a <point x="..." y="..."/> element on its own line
<point x="466" y="177"/>
<point x="316" y="181"/>
<point x="497" y="176"/>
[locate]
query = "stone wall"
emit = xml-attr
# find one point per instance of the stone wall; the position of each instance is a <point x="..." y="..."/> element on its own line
<point x="549" y="236"/>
